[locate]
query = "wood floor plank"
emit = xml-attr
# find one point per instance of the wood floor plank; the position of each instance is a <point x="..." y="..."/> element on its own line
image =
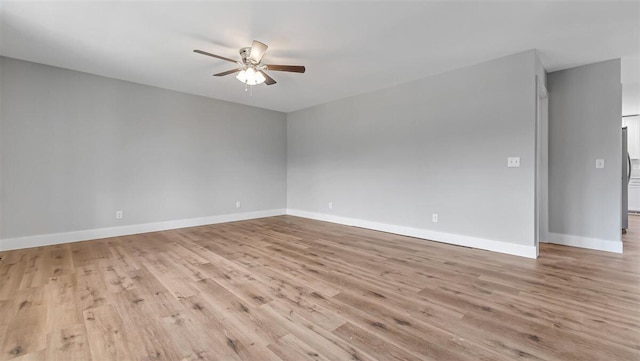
<point x="165" y="273"/>
<point x="383" y="350"/>
<point x="5" y="314"/>
<point x="198" y="342"/>
<point x="288" y="288"/>
<point x="152" y="295"/>
<point x="229" y="339"/>
<point x="32" y="356"/>
<point x="554" y="343"/>
<point x="68" y="344"/>
<point x="396" y="327"/>
<point x="92" y="291"/>
<point x="238" y="316"/>
<point x="32" y="276"/>
<point x="123" y="257"/>
<point x="12" y="269"/>
<point x="290" y="348"/>
<point x="319" y="338"/>
<point x="85" y="253"/>
<point x="273" y="263"/>
<point x="27" y="328"/>
<point x="62" y="310"/>
<point x="116" y="278"/>
<point x="107" y="334"/>
<point x="146" y="337"/>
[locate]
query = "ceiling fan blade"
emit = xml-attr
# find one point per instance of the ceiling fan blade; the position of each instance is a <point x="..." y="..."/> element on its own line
<point x="268" y="80"/>
<point x="228" y="72"/>
<point x="257" y="51"/>
<point x="216" y="56"/>
<point x="291" y="68"/>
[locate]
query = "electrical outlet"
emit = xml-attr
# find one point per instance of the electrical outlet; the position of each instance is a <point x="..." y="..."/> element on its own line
<point x="119" y="215"/>
<point x="513" y="162"/>
<point x="434" y="218"/>
<point x="330" y="205"/>
<point x="237" y="204"/>
<point x="599" y="163"/>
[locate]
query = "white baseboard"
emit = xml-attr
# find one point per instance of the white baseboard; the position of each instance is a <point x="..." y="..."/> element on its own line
<point x="89" y="234"/>
<point x="456" y="239"/>
<point x="584" y="242"/>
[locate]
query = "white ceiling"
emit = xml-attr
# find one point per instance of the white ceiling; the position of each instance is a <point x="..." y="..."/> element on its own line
<point x="348" y="47"/>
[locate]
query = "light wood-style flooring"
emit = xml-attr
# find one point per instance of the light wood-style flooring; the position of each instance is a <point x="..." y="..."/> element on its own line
<point x="288" y="288"/>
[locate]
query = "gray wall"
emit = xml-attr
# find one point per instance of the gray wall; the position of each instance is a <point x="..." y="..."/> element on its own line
<point x="542" y="151"/>
<point x="584" y="125"/>
<point x="74" y="148"/>
<point x="437" y="145"/>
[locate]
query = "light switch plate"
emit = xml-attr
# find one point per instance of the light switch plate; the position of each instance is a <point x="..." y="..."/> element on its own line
<point x="513" y="162"/>
<point x="599" y="163"/>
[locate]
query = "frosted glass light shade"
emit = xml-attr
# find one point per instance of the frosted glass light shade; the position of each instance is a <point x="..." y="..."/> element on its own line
<point x="251" y="76"/>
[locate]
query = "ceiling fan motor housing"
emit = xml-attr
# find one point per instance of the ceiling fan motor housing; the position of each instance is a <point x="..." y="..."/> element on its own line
<point x="244" y="53"/>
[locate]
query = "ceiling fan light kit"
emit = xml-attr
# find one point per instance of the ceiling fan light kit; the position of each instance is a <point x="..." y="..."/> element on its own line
<point x="252" y="71"/>
<point x="251" y="77"/>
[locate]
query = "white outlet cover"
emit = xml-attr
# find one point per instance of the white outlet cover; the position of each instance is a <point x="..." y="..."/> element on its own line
<point x="599" y="163"/>
<point x="434" y="218"/>
<point x="513" y="162"/>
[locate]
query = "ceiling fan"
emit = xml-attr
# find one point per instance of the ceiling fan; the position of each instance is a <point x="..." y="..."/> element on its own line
<point x="252" y="71"/>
